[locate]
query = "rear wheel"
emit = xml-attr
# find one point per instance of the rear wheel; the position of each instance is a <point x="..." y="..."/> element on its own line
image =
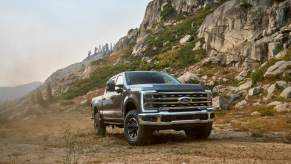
<point x="100" y="128"/>
<point x="135" y="133"/>
<point x="199" y="132"/>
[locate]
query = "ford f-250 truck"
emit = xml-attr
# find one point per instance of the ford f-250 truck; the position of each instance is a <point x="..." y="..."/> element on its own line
<point x="144" y="101"/>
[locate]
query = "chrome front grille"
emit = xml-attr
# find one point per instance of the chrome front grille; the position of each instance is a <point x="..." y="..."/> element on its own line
<point x="171" y="101"/>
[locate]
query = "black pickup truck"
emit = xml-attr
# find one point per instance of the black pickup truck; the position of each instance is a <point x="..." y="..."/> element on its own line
<point x="144" y="101"/>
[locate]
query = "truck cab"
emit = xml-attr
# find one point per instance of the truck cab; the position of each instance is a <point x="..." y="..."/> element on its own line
<point x="144" y="101"/>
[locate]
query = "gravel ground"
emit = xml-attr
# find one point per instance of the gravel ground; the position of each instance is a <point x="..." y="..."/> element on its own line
<point x="68" y="137"/>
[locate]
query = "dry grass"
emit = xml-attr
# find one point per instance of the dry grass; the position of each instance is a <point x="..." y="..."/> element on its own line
<point x="68" y="137"/>
<point x="269" y="121"/>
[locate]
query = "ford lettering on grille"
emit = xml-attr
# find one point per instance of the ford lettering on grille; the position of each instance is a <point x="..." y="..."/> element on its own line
<point x="185" y="100"/>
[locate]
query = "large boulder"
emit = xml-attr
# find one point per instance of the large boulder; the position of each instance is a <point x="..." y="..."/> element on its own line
<point x="282" y="84"/>
<point x="189" y="77"/>
<point x="185" y="39"/>
<point x="254" y="91"/>
<point x="256" y="113"/>
<point x="223" y="102"/>
<point x="242" y="75"/>
<point x="274" y="103"/>
<point x="241" y="104"/>
<point x="271" y="90"/>
<point x="284" y="107"/>
<point x="226" y="90"/>
<point x="278" y="68"/>
<point x="245" y="86"/>
<point x="286" y="93"/>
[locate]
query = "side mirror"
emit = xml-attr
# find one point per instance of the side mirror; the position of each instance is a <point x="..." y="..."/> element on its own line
<point x="119" y="88"/>
<point x="111" y="87"/>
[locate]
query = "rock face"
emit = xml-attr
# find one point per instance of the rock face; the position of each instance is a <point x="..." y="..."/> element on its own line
<point x="244" y="36"/>
<point x="127" y="40"/>
<point x="188" y="78"/>
<point x="156" y="7"/>
<point x="153" y="16"/>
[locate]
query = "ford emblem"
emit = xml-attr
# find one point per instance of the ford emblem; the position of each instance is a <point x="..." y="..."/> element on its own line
<point x="184" y="100"/>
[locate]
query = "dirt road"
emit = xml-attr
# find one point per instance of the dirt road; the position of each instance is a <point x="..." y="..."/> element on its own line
<point x="68" y="137"/>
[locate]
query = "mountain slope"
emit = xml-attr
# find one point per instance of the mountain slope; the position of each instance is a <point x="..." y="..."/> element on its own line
<point x="238" y="48"/>
<point x="11" y="93"/>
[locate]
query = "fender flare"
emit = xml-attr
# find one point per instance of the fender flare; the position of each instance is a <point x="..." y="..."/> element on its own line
<point x="129" y="99"/>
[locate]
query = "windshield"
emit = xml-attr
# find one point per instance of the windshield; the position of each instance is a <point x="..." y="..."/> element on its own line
<point x="133" y="78"/>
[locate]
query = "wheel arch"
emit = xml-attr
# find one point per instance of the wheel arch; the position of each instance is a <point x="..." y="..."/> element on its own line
<point x="129" y="105"/>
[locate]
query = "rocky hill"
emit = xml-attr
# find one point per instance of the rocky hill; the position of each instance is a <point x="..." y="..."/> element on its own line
<point x="240" y="49"/>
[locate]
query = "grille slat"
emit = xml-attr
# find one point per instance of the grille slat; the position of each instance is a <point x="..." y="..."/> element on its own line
<point x="170" y="101"/>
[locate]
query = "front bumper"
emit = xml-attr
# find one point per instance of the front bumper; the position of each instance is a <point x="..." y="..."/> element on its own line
<point x="165" y="118"/>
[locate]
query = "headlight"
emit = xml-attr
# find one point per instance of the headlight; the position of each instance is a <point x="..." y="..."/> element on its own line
<point x="209" y="97"/>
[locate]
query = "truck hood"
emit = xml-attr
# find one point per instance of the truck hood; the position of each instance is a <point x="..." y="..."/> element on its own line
<point x="168" y="87"/>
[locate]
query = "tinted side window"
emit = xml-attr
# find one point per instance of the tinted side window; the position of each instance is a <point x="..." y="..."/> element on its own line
<point x="119" y="80"/>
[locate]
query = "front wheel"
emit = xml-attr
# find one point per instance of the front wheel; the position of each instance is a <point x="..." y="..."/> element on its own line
<point x="100" y="128"/>
<point x="135" y="133"/>
<point x="199" y="132"/>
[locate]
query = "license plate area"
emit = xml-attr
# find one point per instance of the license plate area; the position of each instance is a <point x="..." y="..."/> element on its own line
<point x="171" y="118"/>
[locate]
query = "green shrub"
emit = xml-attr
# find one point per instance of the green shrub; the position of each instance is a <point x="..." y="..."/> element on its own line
<point x="267" y="111"/>
<point x="257" y="75"/>
<point x="178" y="58"/>
<point x="245" y="4"/>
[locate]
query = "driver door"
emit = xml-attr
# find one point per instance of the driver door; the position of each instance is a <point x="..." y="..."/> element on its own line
<point x="112" y="109"/>
<point x="117" y="98"/>
<point x="107" y="103"/>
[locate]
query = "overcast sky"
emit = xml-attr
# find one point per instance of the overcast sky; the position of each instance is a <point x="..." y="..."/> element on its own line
<point x="37" y="37"/>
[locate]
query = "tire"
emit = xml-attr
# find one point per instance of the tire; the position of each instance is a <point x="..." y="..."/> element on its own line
<point x="100" y="128"/>
<point x="135" y="133"/>
<point x="200" y="132"/>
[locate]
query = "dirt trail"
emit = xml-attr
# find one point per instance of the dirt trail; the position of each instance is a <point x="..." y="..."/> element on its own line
<point x="68" y="137"/>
